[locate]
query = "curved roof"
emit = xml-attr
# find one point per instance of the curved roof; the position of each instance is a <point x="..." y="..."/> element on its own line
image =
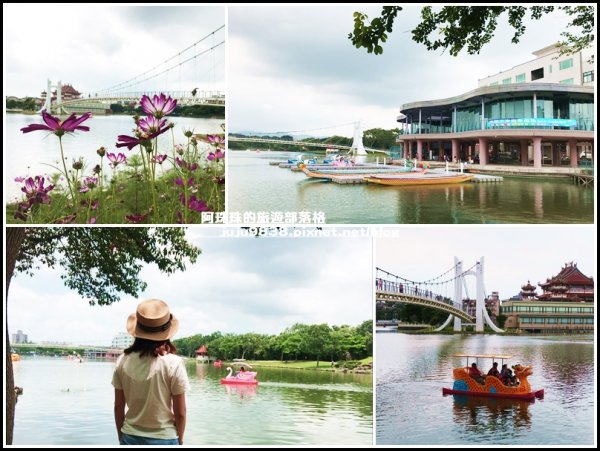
<point x="490" y="91"/>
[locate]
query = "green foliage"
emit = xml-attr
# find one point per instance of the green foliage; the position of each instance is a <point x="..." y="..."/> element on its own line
<point x="298" y="342"/>
<point x="100" y="263"/>
<point x="27" y="104"/>
<point x="455" y="27"/>
<point x="371" y="35"/>
<point x="410" y="313"/>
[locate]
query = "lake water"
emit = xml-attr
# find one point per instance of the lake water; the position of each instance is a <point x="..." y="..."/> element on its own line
<point x="253" y="185"/>
<point x="30" y="154"/>
<point x="71" y="403"/>
<point x="413" y="369"/>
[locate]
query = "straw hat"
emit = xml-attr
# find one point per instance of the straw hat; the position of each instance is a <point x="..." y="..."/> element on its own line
<point x="152" y="321"/>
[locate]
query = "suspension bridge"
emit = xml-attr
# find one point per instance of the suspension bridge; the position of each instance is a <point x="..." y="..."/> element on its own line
<point x="443" y="292"/>
<point x="190" y="76"/>
<point x="356" y="148"/>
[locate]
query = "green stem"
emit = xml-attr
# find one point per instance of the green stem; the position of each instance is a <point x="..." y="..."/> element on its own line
<point x="101" y="192"/>
<point x="62" y="154"/>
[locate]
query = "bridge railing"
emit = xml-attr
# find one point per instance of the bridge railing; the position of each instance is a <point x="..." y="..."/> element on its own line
<point x="413" y="290"/>
<point x="174" y="94"/>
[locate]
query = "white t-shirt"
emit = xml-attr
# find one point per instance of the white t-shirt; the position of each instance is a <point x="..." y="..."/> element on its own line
<point x="149" y="383"/>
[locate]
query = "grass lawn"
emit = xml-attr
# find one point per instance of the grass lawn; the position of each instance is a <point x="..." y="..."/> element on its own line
<point x="301" y="364"/>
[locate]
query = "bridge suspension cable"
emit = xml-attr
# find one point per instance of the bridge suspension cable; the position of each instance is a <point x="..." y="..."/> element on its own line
<point x="128" y="83"/>
<point x="433" y="280"/>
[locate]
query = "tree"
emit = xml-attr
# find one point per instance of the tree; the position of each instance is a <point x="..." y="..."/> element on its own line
<point x="316" y="340"/>
<point x="454" y="27"/>
<point x="98" y="263"/>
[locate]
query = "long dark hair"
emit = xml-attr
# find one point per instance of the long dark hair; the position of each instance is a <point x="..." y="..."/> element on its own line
<point x="148" y="347"/>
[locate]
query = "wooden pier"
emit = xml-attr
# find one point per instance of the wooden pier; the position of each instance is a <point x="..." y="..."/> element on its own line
<point x="583" y="179"/>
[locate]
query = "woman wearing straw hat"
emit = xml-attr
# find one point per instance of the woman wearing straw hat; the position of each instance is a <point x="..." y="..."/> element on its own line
<point x="151" y="380"/>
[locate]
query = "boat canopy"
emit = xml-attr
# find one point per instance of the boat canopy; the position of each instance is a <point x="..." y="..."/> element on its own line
<point x="484" y="356"/>
<point x="244" y="364"/>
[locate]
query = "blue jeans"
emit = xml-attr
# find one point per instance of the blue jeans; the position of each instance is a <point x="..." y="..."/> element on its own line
<point x="127" y="439"/>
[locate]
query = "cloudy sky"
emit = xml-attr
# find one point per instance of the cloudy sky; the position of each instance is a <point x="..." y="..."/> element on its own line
<point x="98" y="46"/>
<point x="512" y="255"/>
<point x="237" y="285"/>
<point x="293" y="67"/>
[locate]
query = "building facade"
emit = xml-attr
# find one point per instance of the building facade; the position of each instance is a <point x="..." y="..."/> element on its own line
<point x="566" y="304"/>
<point x="516" y="117"/>
<point x="548" y="66"/>
<point x="19" y="337"/>
<point x="122" y="340"/>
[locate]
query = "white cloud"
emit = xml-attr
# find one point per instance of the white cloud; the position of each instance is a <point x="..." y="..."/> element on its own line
<point x="302" y="72"/>
<point x="97" y="46"/>
<point x="237" y="285"/>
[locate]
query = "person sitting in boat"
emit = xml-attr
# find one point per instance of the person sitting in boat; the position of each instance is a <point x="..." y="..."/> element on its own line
<point x="507" y="377"/>
<point x="475" y="373"/>
<point x="494" y="370"/>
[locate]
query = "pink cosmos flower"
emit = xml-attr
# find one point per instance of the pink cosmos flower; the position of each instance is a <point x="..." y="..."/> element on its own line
<point x="217" y="140"/>
<point x="158" y="106"/>
<point x="116" y="160"/>
<point x="216" y="156"/>
<point x="159" y="159"/>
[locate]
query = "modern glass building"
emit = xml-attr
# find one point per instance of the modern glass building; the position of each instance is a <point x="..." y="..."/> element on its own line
<point x="539" y="113"/>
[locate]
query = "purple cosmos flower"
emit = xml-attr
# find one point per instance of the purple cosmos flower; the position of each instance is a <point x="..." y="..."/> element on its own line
<point x="194" y="204"/>
<point x="141" y="138"/>
<point x="179" y="181"/>
<point x="35" y="191"/>
<point x="92" y="221"/>
<point x="88" y="184"/>
<point x="129" y="141"/>
<point x="66" y="220"/>
<point x="116" y="160"/>
<point x="216" y="140"/>
<point x="135" y="219"/>
<point x="159" y="159"/>
<point x="179" y="149"/>
<point x="19" y="179"/>
<point x="216" y="156"/>
<point x="158" y="106"/>
<point x="185" y="165"/>
<point x="219" y="180"/>
<point x="54" y="125"/>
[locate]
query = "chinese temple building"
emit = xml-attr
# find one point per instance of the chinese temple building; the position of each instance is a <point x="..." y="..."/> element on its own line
<point x="565" y="305"/>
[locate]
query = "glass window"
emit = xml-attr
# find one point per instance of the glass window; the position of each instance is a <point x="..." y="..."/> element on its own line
<point x="565" y="64"/>
<point x="568" y="81"/>
<point x="588" y="77"/>
<point x="565" y="320"/>
<point x="552" y="320"/>
<point x="550" y="69"/>
<point x="520" y="78"/>
<point x="537" y="74"/>
<point x="507" y="81"/>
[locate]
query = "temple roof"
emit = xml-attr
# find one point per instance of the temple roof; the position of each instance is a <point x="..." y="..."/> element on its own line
<point x="569" y="275"/>
<point x="528" y="287"/>
<point x="202" y="350"/>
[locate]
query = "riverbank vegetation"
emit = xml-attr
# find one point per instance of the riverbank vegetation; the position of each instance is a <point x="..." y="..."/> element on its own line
<point x="182" y="183"/>
<point x="376" y="138"/>
<point x="299" y="343"/>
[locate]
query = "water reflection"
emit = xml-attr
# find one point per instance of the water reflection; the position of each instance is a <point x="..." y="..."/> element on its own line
<point x="287" y="407"/>
<point x="257" y="186"/>
<point x="491" y="417"/>
<point x="244" y="392"/>
<point x="413" y="369"/>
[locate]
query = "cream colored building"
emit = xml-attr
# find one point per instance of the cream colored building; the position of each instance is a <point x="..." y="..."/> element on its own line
<point x="548" y="67"/>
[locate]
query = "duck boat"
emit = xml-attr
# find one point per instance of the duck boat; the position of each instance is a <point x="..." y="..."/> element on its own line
<point x="240" y="377"/>
<point x="492" y="386"/>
